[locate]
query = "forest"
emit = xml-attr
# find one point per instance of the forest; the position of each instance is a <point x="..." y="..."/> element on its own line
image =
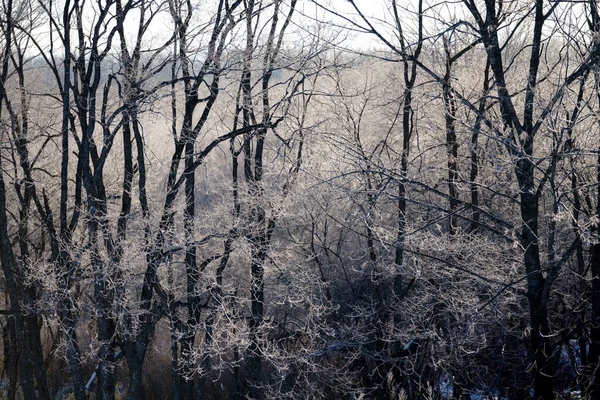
<point x="299" y="199"/>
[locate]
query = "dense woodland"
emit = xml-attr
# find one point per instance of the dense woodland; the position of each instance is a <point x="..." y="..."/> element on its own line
<point x="299" y="199"/>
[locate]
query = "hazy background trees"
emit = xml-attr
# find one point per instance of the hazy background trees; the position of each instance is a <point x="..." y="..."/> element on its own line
<point x="291" y="199"/>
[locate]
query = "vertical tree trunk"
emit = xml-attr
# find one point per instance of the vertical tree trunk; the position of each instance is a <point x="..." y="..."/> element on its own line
<point x="135" y="361"/>
<point x="7" y="257"/>
<point x="474" y="173"/>
<point x="11" y="354"/>
<point x="14" y="290"/>
<point x="594" y="353"/>
<point x="32" y="320"/>
<point x="410" y="76"/>
<point x="540" y="344"/>
<point x="451" y="144"/>
<point x="191" y="266"/>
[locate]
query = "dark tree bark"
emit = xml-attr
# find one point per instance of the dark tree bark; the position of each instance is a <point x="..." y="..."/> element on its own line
<point x="594" y="345"/>
<point x="474" y="172"/>
<point x="14" y="289"/>
<point x="9" y="336"/>
<point x="25" y="191"/>
<point x="409" y="65"/>
<point x="451" y="143"/>
<point x="7" y="257"/>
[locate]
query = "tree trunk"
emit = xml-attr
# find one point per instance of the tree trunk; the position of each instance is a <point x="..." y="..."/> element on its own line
<point x="474" y="173"/>
<point x="257" y="306"/>
<point x="539" y="342"/>
<point x="451" y="144"/>
<point x="67" y="319"/>
<point x="594" y="353"/>
<point x="15" y="290"/>
<point x="11" y="356"/>
<point x="135" y="353"/>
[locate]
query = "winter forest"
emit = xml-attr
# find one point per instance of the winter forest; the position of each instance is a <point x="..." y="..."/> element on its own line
<point x="299" y="199"/>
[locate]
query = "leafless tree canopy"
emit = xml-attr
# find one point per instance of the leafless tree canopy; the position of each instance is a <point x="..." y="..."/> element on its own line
<point x="299" y="199"/>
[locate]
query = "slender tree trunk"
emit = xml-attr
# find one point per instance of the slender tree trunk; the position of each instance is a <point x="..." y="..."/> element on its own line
<point x="7" y="257"/>
<point x="34" y="329"/>
<point x="474" y="173"/>
<point x="401" y="206"/>
<point x="594" y="353"/>
<point x="257" y="306"/>
<point x="540" y="344"/>
<point x="192" y="273"/>
<point x="451" y="144"/>
<point x="21" y="134"/>
<point x="11" y="355"/>
<point x="67" y="318"/>
<point x="209" y="324"/>
<point x="135" y="350"/>
<point x="106" y="380"/>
